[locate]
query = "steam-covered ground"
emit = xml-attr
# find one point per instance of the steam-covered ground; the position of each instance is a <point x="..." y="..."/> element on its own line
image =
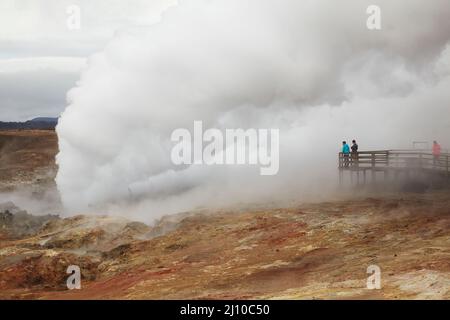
<point x="315" y="250"/>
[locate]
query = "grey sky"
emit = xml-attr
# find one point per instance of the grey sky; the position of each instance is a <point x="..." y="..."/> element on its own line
<point x="40" y="58"/>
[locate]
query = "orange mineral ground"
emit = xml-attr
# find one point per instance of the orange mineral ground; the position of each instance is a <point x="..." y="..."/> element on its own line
<point x="301" y="251"/>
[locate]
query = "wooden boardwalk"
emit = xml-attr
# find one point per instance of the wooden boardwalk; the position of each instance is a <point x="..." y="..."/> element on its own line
<point x="394" y="164"/>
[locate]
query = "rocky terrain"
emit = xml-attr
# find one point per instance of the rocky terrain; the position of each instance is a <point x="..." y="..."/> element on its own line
<point x="27" y="159"/>
<point x="301" y="251"/>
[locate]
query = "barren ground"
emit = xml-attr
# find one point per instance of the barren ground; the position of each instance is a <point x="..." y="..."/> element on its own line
<point x="27" y="157"/>
<point x="306" y="251"/>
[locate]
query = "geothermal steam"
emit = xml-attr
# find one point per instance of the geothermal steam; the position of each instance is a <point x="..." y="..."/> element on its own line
<point x="309" y="68"/>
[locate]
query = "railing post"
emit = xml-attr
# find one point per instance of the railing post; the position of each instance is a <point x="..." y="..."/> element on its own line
<point x="373" y="167"/>
<point x="448" y="172"/>
<point x="340" y="168"/>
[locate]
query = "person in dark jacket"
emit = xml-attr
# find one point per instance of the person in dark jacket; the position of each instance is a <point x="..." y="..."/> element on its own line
<point x="354" y="152"/>
<point x="354" y="146"/>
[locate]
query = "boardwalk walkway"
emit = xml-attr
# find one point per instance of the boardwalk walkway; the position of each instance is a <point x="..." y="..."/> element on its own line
<point x="394" y="163"/>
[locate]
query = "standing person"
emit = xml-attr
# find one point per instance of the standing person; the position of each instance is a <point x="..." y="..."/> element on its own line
<point x="345" y="152"/>
<point x="436" y="152"/>
<point x="354" y="152"/>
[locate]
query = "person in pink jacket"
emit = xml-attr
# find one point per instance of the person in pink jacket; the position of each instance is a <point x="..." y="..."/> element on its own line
<point x="436" y="152"/>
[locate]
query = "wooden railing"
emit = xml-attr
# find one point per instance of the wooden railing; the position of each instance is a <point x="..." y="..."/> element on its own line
<point x="412" y="159"/>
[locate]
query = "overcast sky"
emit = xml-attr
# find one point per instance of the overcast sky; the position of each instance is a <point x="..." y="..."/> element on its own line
<point x="41" y="58"/>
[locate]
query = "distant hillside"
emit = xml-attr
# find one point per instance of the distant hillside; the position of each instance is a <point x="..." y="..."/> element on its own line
<point x="41" y="123"/>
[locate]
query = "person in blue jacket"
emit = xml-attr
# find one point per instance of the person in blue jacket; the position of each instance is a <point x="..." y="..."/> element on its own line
<point x="346" y="153"/>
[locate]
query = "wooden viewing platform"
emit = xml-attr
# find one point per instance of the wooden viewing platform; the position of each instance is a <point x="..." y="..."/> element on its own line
<point x="394" y="163"/>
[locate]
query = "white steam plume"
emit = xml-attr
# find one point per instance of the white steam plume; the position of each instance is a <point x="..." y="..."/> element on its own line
<point x="310" y="68"/>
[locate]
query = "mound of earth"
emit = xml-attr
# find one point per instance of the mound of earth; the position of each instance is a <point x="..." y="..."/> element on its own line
<point x="17" y="223"/>
<point x="36" y="257"/>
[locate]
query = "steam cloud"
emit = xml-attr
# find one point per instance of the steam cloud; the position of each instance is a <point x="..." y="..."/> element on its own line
<point x="310" y="68"/>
